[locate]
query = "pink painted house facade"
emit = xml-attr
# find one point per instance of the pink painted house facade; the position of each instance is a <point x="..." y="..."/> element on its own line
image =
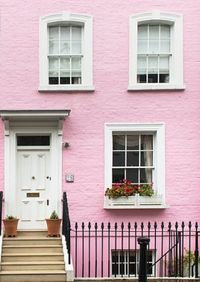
<point x="94" y="92"/>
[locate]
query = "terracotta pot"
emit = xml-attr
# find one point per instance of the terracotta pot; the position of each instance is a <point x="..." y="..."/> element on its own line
<point x="53" y="226"/>
<point x="10" y="227"/>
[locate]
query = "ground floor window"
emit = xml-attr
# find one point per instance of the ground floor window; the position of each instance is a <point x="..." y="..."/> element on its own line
<point x="126" y="262"/>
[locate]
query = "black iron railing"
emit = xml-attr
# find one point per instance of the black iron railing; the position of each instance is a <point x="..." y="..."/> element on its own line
<point x="112" y="250"/>
<point x="66" y="226"/>
<point x="1" y="206"/>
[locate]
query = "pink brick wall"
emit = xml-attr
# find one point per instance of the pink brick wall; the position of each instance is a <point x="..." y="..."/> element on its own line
<point x="110" y="102"/>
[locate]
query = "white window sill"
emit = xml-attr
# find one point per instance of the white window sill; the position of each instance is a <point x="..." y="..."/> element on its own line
<point x="153" y="86"/>
<point x="135" y="202"/>
<point x="68" y="88"/>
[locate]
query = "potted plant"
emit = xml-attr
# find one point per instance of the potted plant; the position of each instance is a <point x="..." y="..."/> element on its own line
<point x="53" y="224"/>
<point x="10" y="226"/>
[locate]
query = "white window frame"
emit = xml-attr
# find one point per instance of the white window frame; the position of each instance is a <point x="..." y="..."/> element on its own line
<point x="158" y="130"/>
<point x="176" y="65"/>
<point x="87" y="69"/>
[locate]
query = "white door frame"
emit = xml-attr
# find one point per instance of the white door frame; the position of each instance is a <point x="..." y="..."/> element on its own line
<point x="33" y="128"/>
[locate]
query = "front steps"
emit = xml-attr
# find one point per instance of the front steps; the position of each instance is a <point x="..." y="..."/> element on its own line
<point x="32" y="257"/>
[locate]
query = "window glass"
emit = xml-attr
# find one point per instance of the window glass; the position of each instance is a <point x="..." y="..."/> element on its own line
<point x="153" y="53"/>
<point x="65" y="54"/>
<point x="33" y="140"/>
<point x="133" y="158"/>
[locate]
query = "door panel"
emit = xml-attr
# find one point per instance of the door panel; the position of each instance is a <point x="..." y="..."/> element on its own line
<point x="33" y="188"/>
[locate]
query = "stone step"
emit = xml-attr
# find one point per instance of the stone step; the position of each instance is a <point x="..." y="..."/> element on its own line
<point x="29" y="257"/>
<point x="31" y="241"/>
<point x="51" y="265"/>
<point x="30" y="233"/>
<point x="33" y="276"/>
<point x="34" y="249"/>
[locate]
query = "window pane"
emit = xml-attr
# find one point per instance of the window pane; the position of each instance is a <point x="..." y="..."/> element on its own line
<point x="65" y="47"/>
<point x="153" y="47"/>
<point x="153" y="64"/>
<point x="142" y="78"/>
<point x="132" y="158"/>
<point x="64" y="77"/>
<point x="142" y="32"/>
<point x="142" y="46"/>
<point x="146" y="142"/>
<point x="33" y="140"/>
<point x="118" y="159"/>
<point x="132" y="269"/>
<point x="133" y="142"/>
<point x="121" y="269"/>
<point x="114" y="256"/>
<point x="53" y="77"/>
<point x="146" y="175"/>
<point x="154" y="32"/>
<point x="142" y="65"/>
<point x="76" y="77"/>
<point x="53" y="64"/>
<point x="153" y="69"/>
<point x="164" y="78"/>
<point x="164" y="64"/>
<point x="132" y="257"/>
<point x="118" y="142"/>
<point x="114" y="269"/>
<point x="53" y="33"/>
<point x="65" y="33"/>
<point x="76" y="47"/>
<point x="118" y="175"/>
<point x="164" y="69"/>
<point x="165" y="46"/>
<point x="165" y="32"/>
<point x="65" y="63"/>
<point x="132" y="175"/>
<point x="76" y="63"/>
<point x="147" y="158"/>
<point x="76" y="33"/>
<point x="54" y="47"/>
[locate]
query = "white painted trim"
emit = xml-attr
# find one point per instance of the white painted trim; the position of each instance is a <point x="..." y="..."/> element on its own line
<point x="68" y="267"/>
<point x="36" y="128"/>
<point x="158" y="129"/>
<point x="1" y="244"/>
<point x="87" y="63"/>
<point x="176" y="68"/>
<point x="69" y="88"/>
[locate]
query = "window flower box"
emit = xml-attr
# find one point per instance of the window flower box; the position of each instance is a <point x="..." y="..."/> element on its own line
<point x="126" y="194"/>
<point x="153" y="200"/>
<point x="122" y="201"/>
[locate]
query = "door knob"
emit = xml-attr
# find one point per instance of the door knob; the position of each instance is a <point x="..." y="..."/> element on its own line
<point x="33" y="177"/>
<point x="48" y="177"/>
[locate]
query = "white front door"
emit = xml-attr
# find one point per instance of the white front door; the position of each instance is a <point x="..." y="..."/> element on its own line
<point x="33" y="187"/>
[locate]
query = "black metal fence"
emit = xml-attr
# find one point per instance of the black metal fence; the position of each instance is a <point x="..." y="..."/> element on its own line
<point x="112" y="249"/>
<point x="106" y="250"/>
<point x="66" y="226"/>
<point x="1" y="205"/>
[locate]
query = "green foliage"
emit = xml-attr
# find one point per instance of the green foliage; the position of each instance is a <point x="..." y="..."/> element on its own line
<point x="146" y="190"/>
<point x="54" y="215"/>
<point x="10" y="217"/>
<point x="126" y="188"/>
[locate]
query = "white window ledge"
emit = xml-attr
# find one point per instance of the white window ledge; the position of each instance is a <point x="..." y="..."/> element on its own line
<point x="135" y="202"/>
<point x="71" y="88"/>
<point x="144" y="87"/>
